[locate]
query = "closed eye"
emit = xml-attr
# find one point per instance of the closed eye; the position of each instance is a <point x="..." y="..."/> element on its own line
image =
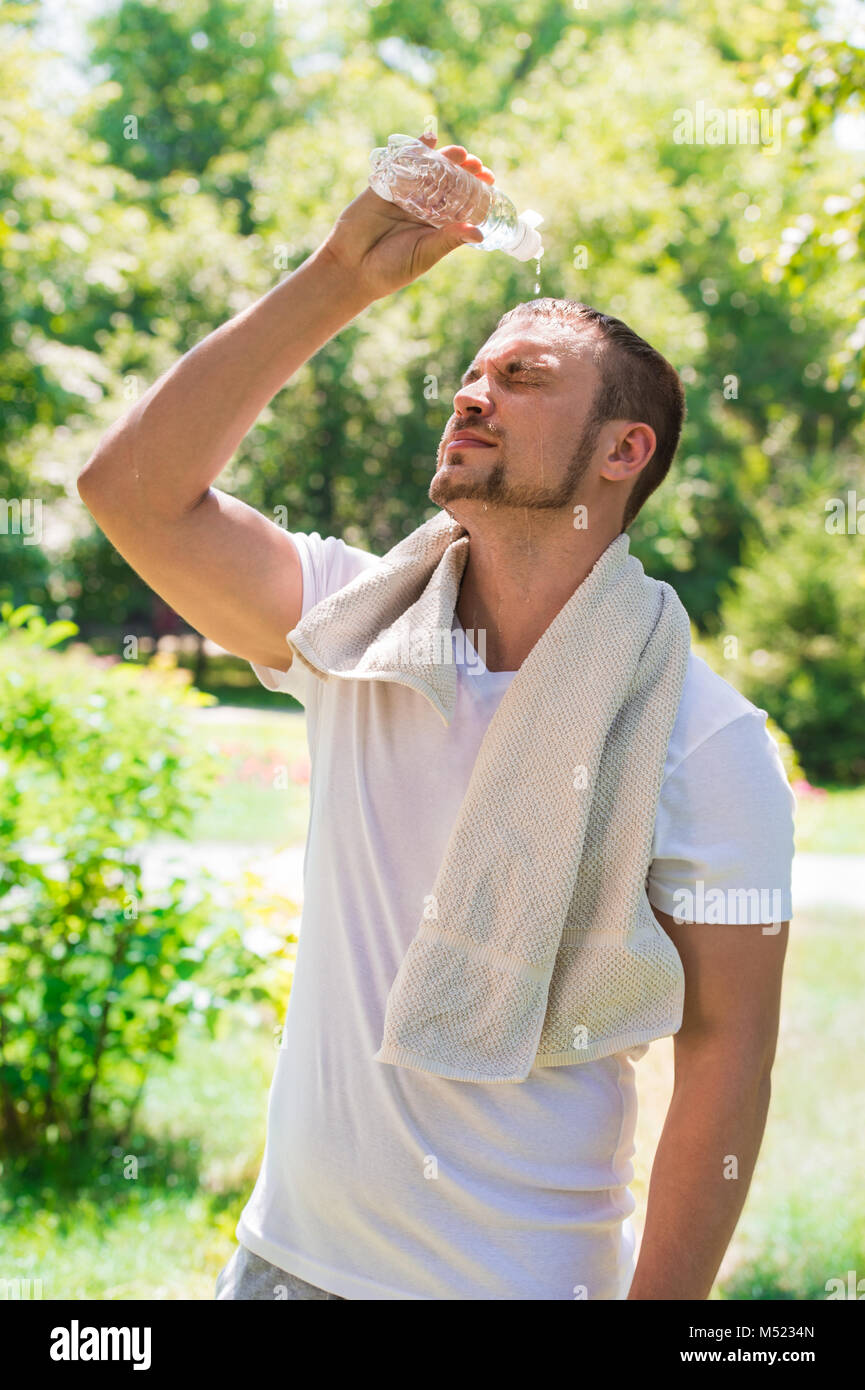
<point x="511" y="371"/>
<point x="522" y="377"/>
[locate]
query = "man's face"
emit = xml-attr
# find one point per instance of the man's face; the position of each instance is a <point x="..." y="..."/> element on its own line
<point x="527" y="396"/>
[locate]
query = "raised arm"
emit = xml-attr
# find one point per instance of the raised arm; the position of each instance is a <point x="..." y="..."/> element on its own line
<point x="229" y="571"/>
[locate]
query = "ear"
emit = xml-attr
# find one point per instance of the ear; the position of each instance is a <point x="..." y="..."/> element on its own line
<point x="631" y="447"/>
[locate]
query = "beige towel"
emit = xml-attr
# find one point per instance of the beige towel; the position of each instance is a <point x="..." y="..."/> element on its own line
<point x="538" y="946"/>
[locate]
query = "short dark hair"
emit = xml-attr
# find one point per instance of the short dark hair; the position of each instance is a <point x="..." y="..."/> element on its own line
<point x="637" y="383"/>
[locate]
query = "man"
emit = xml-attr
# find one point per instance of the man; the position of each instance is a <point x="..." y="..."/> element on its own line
<point x="383" y="1181"/>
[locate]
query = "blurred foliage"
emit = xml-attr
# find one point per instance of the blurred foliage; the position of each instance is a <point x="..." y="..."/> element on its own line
<point x="252" y="128"/>
<point x="823" y="76"/>
<point x="797" y="607"/>
<point x="789" y="757"/>
<point x="98" y="970"/>
<point x="185" y="80"/>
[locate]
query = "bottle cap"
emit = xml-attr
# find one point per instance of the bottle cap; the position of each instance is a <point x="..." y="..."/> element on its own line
<point x="530" y="245"/>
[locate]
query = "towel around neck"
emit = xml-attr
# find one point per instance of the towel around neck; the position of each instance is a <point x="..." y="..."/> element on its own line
<point x="537" y="945"/>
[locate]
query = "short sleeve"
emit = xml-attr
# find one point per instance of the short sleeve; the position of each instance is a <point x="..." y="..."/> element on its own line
<point x="327" y="564"/>
<point x="724" y="832"/>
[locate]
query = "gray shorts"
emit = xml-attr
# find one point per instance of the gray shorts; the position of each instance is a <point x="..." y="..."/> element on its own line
<point x="247" y="1276"/>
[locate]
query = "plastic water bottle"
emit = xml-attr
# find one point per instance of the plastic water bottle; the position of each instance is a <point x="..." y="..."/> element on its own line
<point x="427" y="184"/>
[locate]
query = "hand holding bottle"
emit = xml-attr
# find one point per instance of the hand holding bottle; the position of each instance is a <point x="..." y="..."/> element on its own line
<point x="384" y="248"/>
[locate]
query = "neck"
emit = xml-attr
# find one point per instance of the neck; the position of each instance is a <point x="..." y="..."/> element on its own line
<point x="519" y="576"/>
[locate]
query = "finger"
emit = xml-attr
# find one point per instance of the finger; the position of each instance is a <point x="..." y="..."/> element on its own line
<point x="464" y="231"/>
<point x="438" y="242"/>
<point x="458" y="154"/>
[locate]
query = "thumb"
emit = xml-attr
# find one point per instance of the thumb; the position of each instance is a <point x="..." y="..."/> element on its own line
<point x="448" y="239"/>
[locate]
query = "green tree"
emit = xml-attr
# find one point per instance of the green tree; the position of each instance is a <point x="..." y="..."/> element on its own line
<point x="797" y="609"/>
<point x="186" y="80"/>
<point x="248" y="148"/>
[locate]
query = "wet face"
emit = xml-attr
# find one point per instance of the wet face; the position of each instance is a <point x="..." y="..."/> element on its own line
<point x="516" y="438"/>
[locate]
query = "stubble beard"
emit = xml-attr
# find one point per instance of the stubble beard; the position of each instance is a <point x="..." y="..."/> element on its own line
<point x="495" y="490"/>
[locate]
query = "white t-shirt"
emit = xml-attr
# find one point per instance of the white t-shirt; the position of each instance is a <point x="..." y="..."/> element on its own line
<point x="379" y="1182"/>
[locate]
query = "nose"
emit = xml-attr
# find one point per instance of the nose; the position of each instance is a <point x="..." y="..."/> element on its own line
<point x="472" y="400"/>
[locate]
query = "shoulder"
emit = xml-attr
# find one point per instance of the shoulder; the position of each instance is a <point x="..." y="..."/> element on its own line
<point x="721" y="751"/>
<point x="726" y="812"/>
<point x="709" y="703"/>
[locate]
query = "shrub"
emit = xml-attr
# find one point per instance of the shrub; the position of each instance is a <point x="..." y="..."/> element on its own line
<point x="97" y="971"/>
<point x="798" y="610"/>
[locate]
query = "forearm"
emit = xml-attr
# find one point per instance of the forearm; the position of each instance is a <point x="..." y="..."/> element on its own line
<point x="713" y="1130"/>
<point x="173" y="443"/>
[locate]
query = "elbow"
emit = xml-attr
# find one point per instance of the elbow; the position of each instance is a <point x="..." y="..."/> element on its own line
<point x="105" y="474"/>
<point x="91" y="485"/>
<point x="110" y="461"/>
<point x="95" y="466"/>
<point x="85" y="481"/>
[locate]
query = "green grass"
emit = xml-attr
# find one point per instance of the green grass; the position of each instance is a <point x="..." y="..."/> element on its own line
<point x="804" y="1218"/>
<point x="166" y="1234"/>
<point x="242" y="694"/>
<point x="249" y="808"/>
<point x="832" y="824"/>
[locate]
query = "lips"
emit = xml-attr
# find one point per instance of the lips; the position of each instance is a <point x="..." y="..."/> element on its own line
<point x="467" y="440"/>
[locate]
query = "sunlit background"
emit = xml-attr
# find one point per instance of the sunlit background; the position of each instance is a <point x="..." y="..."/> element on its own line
<point x="162" y="165"/>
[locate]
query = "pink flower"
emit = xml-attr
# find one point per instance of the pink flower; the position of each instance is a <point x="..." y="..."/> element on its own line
<point x="803" y="788"/>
